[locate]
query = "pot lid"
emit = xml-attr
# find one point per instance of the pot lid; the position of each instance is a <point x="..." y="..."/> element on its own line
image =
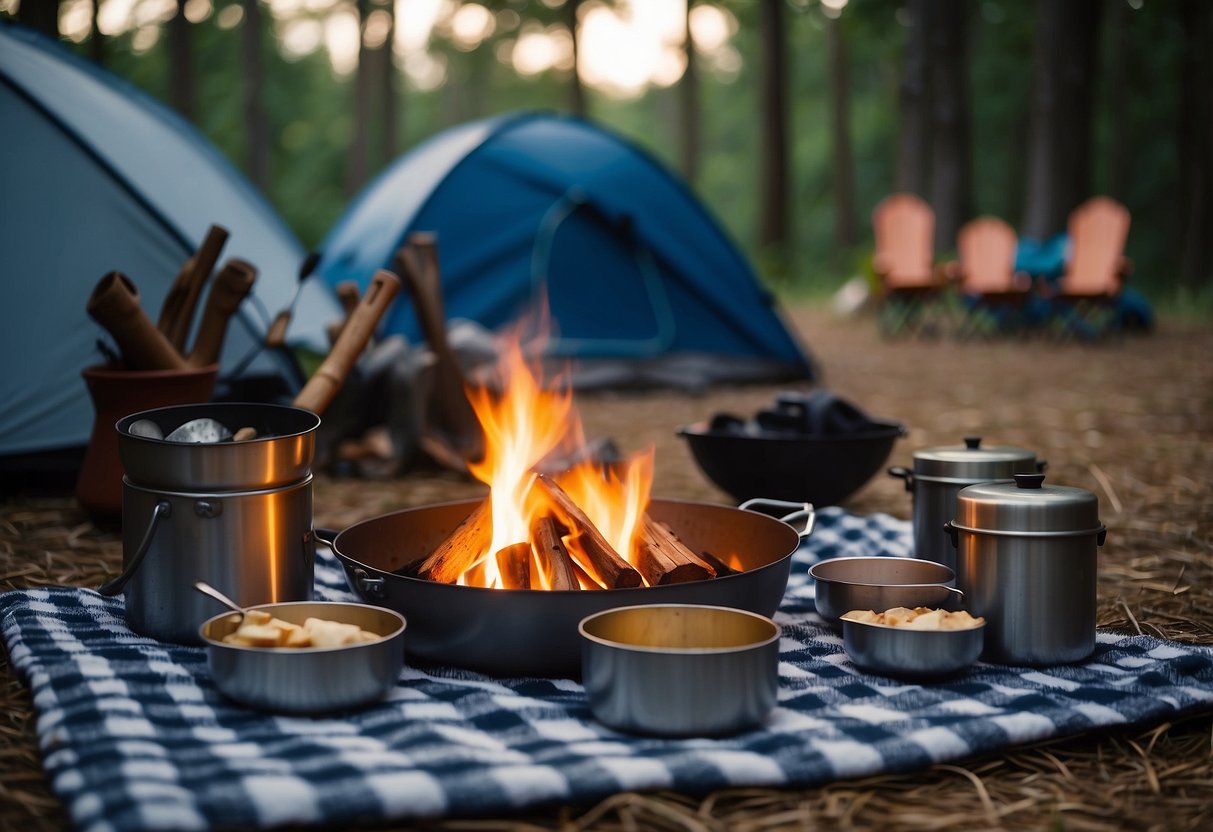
<point x="1027" y="505"/>
<point x="973" y="462"/>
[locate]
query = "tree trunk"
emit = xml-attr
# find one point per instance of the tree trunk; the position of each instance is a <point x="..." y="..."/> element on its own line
<point x="96" y="41"/>
<point x="576" y="90"/>
<point x="913" y="100"/>
<point x="845" y="234"/>
<point x="773" y="210"/>
<point x="257" y="131"/>
<point x="688" y="97"/>
<point x="1117" y="97"/>
<point x="181" y="64"/>
<point x="389" y="138"/>
<point x="43" y="15"/>
<point x="1060" y="114"/>
<point x="1196" y="146"/>
<point x="951" y="177"/>
<point x="358" y="163"/>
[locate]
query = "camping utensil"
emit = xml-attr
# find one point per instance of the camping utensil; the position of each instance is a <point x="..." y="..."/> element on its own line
<point x="909" y="653"/>
<point x="1027" y="562"/>
<point x="307" y="680"/>
<point x="679" y="670"/>
<point x="938" y="476"/>
<point x="210" y="591"/>
<point x="881" y="583"/>
<point x="526" y="632"/>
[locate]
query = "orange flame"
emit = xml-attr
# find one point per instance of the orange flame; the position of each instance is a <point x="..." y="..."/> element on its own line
<point x="523" y="423"/>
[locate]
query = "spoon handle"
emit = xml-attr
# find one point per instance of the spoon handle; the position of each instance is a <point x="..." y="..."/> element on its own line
<point x="207" y="589"/>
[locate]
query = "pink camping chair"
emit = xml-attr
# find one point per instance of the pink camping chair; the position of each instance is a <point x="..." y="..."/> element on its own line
<point x="1096" y="267"/>
<point x="985" y="274"/>
<point x="912" y="290"/>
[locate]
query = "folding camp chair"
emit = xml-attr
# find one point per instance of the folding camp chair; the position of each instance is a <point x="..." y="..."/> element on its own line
<point x="994" y="293"/>
<point x="912" y="291"/>
<point x="1086" y="297"/>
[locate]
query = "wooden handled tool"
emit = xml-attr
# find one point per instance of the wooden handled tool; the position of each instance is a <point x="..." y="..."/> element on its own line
<point x="178" y="311"/>
<point x="229" y="290"/>
<point x="327" y="380"/>
<point x="115" y="305"/>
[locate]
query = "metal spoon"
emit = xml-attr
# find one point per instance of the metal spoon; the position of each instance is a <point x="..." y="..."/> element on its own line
<point x="207" y="589"/>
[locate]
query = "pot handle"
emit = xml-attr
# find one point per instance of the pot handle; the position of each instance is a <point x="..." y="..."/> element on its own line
<point x="368" y="585"/>
<point x="956" y="597"/>
<point x="326" y="536"/>
<point x="905" y="474"/>
<point x="949" y="528"/>
<point x="162" y="509"/>
<point x="802" y="511"/>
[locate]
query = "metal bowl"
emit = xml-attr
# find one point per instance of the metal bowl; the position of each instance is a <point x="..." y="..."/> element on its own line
<point x="908" y="653"/>
<point x="308" y="680"/>
<point x="680" y="670"/>
<point x="281" y="455"/>
<point x="820" y="469"/>
<point x="881" y="583"/>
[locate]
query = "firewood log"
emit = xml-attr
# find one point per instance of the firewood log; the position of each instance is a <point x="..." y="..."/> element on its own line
<point x="465" y="546"/>
<point x="665" y="560"/>
<point x="554" y="559"/>
<point x="514" y="564"/>
<point x="603" y="563"/>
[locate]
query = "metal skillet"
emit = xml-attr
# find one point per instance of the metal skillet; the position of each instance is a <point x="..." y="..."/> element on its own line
<point x="523" y="632"/>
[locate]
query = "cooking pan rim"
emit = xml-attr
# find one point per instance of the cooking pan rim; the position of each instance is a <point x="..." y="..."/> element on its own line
<point x="349" y="562"/>
<point x="888" y="429"/>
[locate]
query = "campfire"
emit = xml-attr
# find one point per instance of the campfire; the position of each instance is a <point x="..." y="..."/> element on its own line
<point x="584" y="527"/>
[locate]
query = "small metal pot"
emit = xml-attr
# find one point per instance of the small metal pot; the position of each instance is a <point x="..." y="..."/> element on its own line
<point x="680" y="670"/>
<point x="879" y="584"/>
<point x="237" y="515"/>
<point x="1026" y="561"/>
<point x="311" y="679"/>
<point x="938" y="476"/>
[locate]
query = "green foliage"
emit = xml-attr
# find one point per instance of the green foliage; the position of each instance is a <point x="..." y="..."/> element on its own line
<point x="310" y="112"/>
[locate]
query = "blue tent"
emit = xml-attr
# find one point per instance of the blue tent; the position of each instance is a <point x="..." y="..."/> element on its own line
<point x="96" y="176"/>
<point x="643" y="285"/>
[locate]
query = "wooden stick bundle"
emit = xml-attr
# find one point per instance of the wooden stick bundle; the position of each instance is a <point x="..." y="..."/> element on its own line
<point x="552" y="555"/>
<point x="228" y="291"/>
<point x="115" y="305"/>
<point x="514" y="564"/>
<point x="177" y="313"/>
<point x="604" y="564"/>
<point x="462" y="549"/>
<point x="665" y="560"/>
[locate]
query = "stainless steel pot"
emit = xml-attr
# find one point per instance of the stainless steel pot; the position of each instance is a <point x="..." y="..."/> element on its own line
<point x="522" y="632"/>
<point x="280" y="455"/>
<point x="237" y="515"/>
<point x="938" y="476"/>
<point x="1027" y="563"/>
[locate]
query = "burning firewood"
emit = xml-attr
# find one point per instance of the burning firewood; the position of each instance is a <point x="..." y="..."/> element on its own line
<point x="723" y="570"/>
<point x="554" y="559"/>
<point x="604" y="564"/>
<point x="462" y="549"/>
<point x="514" y="564"/>
<point x="665" y="560"/>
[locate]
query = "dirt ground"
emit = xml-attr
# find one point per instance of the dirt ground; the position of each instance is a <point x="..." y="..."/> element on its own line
<point x="1128" y="419"/>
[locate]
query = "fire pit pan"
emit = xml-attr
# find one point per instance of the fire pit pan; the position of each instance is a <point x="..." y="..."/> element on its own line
<point x="522" y="632"/>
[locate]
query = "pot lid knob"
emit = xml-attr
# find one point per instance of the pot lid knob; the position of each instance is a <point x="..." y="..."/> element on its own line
<point x="1029" y="480"/>
<point x="972" y="442"/>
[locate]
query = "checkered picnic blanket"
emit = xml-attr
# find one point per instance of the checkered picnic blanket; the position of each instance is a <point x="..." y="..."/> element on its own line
<point x="135" y="736"/>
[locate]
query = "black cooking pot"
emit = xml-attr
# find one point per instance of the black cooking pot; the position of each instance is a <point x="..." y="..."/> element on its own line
<point x="524" y="632"/>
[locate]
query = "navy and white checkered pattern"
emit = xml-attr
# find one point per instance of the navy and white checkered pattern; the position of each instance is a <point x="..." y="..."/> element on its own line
<point x="135" y="736"/>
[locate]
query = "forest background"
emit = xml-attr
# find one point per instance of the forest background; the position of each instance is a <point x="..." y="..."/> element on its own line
<point x="791" y="119"/>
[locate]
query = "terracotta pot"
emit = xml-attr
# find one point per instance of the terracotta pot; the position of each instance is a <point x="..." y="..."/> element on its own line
<point x="115" y="393"/>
